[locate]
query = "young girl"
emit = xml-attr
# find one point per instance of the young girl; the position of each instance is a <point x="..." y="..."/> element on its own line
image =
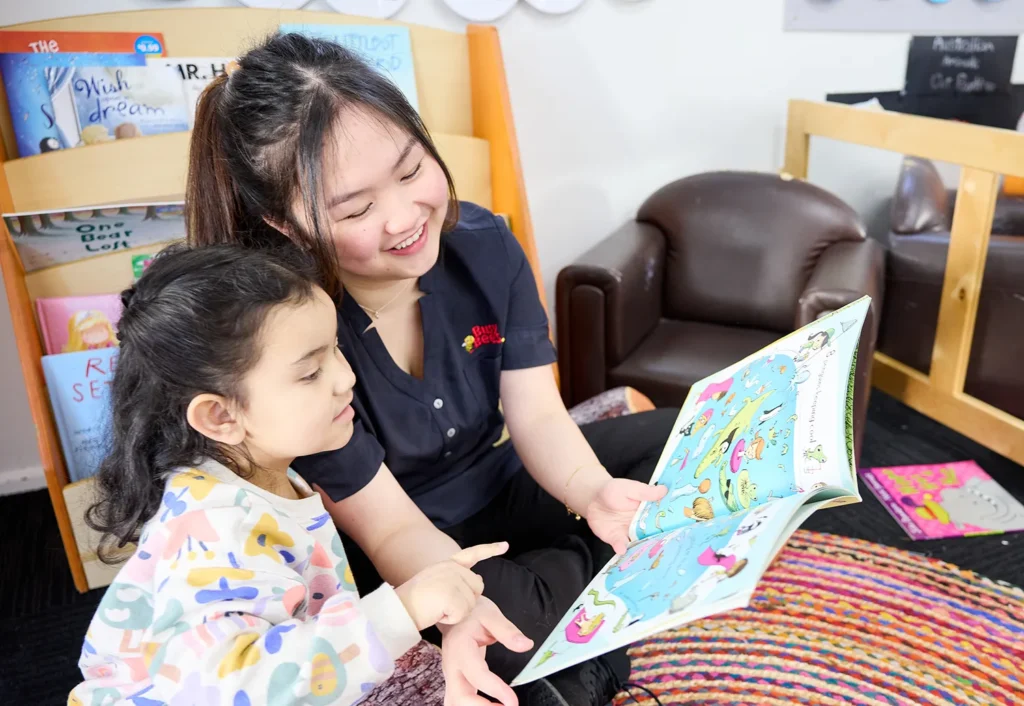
<point x="239" y="591"/>
<point x="442" y="323"/>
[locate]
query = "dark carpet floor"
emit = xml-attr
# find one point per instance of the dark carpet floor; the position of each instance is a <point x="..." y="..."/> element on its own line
<point x="43" y="618"/>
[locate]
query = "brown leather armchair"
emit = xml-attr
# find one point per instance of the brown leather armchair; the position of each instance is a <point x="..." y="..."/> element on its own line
<point x="713" y="268"/>
<point x="920" y="214"/>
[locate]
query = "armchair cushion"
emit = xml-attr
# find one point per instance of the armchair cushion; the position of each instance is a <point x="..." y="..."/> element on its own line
<point x="679" y="353"/>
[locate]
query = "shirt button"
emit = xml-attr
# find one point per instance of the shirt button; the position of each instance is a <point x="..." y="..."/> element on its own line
<point x="450" y="432"/>
<point x="438" y="403"/>
<point x="447" y="454"/>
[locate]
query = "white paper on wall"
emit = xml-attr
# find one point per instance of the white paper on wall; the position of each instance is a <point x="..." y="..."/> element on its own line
<point x="379" y="9"/>
<point x="481" y="10"/>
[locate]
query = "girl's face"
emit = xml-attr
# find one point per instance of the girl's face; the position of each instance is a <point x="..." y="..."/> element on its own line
<point x="386" y="200"/>
<point x="299" y="394"/>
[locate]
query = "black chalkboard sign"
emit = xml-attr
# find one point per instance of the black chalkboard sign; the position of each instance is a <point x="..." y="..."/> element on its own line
<point x="960" y="65"/>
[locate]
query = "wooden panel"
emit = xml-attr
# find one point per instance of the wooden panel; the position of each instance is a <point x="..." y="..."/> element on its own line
<point x="441" y="58"/>
<point x="87" y="176"/>
<point x="989" y="426"/>
<point x="492" y="121"/>
<point x="78" y="497"/>
<point x="103" y="274"/>
<point x="989" y="149"/>
<point x="961" y="288"/>
<point x="113" y="172"/>
<point x="30" y="353"/>
<point x="798" y="144"/>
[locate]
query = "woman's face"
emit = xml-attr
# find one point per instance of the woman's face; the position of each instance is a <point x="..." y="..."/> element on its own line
<point x="386" y="200"/>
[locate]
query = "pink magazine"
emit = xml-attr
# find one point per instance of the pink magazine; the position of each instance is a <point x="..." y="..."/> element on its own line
<point x="71" y="324"/>
<point x="945" y="500"/>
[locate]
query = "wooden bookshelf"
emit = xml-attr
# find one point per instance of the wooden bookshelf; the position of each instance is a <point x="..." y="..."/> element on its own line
<point x="464" y="102"/>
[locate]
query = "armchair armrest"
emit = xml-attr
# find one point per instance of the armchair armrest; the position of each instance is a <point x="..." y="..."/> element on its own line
<point x="845" y="272"/>
<point x="607" y="301"/>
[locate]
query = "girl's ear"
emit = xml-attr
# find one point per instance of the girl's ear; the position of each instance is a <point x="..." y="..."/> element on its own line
<point x="212" y="416"/>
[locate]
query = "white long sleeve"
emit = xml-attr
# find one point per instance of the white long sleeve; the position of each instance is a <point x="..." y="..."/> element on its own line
<point x="238" y="597"/>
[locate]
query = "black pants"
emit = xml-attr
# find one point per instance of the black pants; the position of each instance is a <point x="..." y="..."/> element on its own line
<point x="552" y="556"/>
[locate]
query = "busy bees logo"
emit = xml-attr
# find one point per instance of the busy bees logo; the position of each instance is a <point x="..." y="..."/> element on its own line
<point x="482" y="336"/>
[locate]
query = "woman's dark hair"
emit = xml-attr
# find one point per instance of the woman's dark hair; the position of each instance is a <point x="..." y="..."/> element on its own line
<point x="259" y="139"/>
<point x="189" y="326"/>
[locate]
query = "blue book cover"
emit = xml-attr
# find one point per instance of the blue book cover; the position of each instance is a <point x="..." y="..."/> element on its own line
<point x="386" y="47"/>
<point x="58" y="101"/>
<point x="79" y="385"/>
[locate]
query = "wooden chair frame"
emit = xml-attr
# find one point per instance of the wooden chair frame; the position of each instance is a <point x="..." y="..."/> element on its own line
<point x="464" y="102"/>
<point x="983" y="154"/>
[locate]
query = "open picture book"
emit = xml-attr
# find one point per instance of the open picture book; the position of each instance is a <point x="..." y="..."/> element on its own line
<point x="756" y="449"/>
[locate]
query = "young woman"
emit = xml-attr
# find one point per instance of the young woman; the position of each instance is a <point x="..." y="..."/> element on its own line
<point x="460" y="434"/>
<point x="239" y="591"/>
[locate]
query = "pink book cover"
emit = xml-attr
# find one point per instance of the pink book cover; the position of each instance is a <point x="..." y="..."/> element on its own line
<point x="945" y="500"/>
<point x="71" y="324"/>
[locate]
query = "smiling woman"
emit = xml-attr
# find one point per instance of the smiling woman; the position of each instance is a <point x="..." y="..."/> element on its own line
<point x="440" y="317"/>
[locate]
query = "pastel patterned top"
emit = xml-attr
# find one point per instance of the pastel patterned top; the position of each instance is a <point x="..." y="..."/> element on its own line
<point x="238" y="597"/>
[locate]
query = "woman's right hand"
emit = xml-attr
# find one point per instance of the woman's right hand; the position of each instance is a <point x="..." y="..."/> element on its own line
<point x="446" y="592"/>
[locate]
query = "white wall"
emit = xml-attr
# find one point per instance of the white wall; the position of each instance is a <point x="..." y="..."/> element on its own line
<point x="611" y="102"/>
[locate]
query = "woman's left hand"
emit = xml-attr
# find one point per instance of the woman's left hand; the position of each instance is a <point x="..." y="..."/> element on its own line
<point x="613" y="508"/>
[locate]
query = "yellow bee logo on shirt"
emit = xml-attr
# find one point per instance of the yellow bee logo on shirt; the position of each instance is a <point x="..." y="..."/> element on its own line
<point x="469" y="343"/>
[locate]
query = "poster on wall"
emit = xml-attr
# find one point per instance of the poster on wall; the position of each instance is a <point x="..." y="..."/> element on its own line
<point x="915" y="16"/>
<point x="955" y="78"/>
<point x="961" y="65"/>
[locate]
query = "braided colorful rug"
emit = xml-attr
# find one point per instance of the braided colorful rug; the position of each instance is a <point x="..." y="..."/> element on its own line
<point x="843" y="621"/>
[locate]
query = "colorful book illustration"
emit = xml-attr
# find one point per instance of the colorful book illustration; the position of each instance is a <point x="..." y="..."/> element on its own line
<point x="78" y="384"/>
<point x="386" y="47"/>
<point x="756" y="449"/>
<point x="72" y="324"/>
<point x="945" y="500"/>
<point x="64" y="100"/>
<point x="47" y="238"/>
<point x="140" y="263"/>
<point x="46" y="42"/>
<point x="195" y="73"/>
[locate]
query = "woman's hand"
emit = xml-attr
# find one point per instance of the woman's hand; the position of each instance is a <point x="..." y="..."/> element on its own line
<point x="446" y="592"/>
<point x="462" y="656"/>
<point x="614" y="506"/>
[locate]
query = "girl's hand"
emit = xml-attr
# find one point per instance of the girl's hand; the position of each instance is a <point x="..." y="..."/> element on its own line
<point x="447" y="592"/>
<point x="614" y="506"/>
<point x="462" y="657"/>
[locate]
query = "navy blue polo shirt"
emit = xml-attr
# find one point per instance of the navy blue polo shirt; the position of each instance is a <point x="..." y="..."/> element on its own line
<point x="442" y="436"/>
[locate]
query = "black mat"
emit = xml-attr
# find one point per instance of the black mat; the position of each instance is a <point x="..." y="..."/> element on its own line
<point x="43" y="618"/>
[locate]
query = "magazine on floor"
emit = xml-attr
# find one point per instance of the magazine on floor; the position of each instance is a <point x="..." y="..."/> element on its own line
<point x="756" y="449"/>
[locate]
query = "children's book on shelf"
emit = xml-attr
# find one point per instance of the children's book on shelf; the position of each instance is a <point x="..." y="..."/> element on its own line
<point x="936" y="501"/>
<point x="78" y="385"/>
<point x="47" y="42"/>
<point x="386" y="47"/>
<point x="72" y="324"/>
<point x="59" y="100"/>
<point x="756" y="449"/>
<point x="195" y="74"/>
<point x="48" y="238"/>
